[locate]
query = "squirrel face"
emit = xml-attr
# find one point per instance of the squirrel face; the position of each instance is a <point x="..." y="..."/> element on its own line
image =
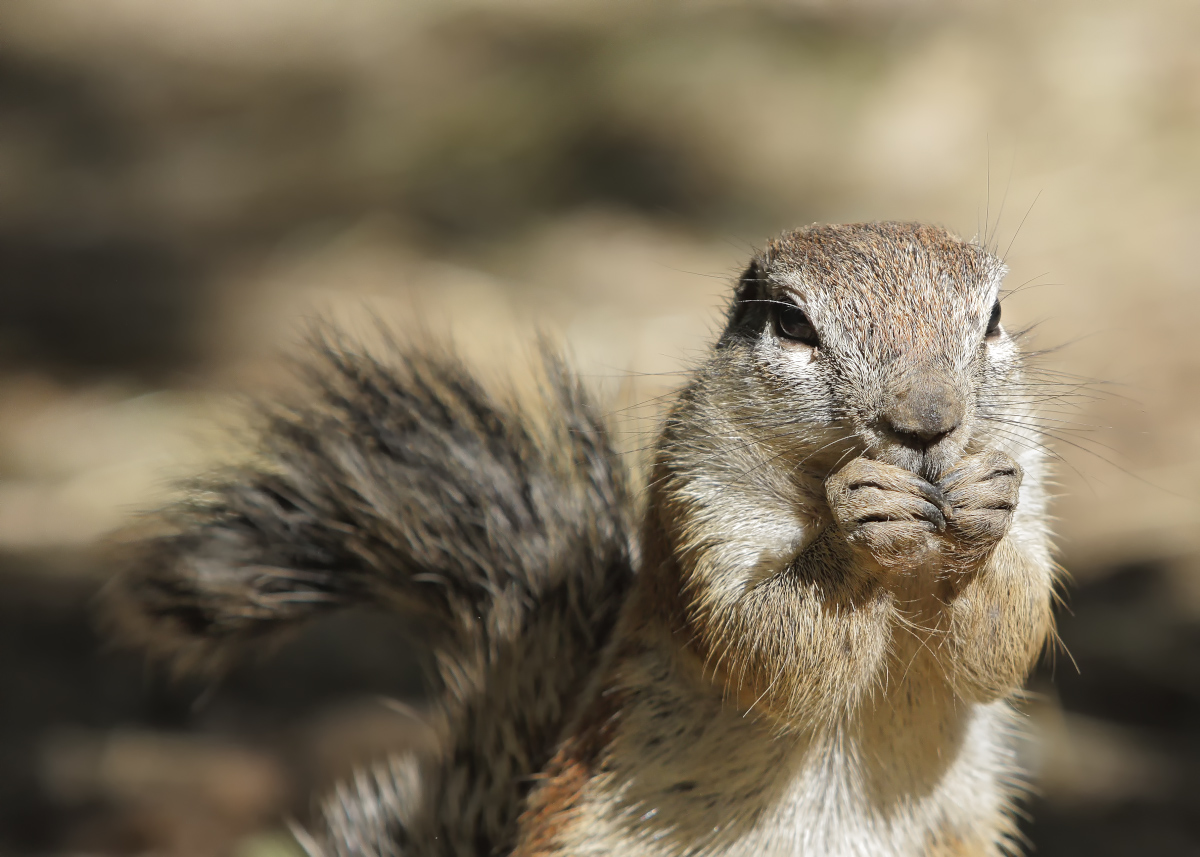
<point x="887" y="333"/>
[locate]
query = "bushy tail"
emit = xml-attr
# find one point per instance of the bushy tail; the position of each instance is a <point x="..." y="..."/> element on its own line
<point x="400" y="480"/>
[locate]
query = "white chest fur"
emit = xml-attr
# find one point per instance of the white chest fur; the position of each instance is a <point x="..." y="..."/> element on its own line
<point x="845" y="797"/>
<point x="691" y="775"/>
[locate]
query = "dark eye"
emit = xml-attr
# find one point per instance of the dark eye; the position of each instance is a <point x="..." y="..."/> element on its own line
<point x="792" y="323"/>
<point x="993" y="328"/>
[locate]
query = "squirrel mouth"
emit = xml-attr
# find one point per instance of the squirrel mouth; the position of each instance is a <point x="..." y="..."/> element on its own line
<point x="929" y="462"/>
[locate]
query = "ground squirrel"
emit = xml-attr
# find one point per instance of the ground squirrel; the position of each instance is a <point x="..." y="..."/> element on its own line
<point x="806" y="641"/>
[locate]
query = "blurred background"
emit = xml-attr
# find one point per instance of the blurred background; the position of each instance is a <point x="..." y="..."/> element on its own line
<point x="184" y="185"/>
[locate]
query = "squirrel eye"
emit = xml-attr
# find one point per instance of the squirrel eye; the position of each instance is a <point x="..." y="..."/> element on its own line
<point x="792" y="323"/>
<point x="993" y="328"/>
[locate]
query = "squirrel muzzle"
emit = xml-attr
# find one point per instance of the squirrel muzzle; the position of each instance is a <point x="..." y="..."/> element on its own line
<point x="920" y="423"/>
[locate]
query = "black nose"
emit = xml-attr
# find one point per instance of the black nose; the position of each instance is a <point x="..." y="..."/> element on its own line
<point x="923" y="412"/>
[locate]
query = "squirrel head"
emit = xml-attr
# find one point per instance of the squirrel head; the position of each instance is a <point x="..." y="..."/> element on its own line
<point x="885" y="332"/>
<point x="879" y="340"/>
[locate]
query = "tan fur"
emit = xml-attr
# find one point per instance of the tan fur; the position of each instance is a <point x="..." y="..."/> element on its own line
<point x="830" y="621"/>
<point x="842" y="576"/>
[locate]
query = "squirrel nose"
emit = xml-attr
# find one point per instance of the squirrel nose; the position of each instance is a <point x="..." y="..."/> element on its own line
<point x="922" y="413"/>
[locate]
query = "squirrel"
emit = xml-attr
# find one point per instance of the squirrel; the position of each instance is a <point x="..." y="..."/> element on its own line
<point x="805" y="636"/>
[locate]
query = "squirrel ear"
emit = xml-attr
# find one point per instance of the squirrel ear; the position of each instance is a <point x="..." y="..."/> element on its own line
<point x="747" y="309"/>
<point x="749" y="284"/>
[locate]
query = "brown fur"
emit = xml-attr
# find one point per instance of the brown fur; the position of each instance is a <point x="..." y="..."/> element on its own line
<point x="844" y="575"/>
<point x="560" y="792"/>
<point x="817" y="568"/>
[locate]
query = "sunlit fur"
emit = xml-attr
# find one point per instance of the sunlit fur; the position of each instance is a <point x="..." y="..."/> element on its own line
<point x="813" y="650"/>
<point x="786" y="685"/>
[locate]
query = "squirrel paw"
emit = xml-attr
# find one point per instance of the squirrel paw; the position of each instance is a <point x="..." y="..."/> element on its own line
<point x="888" y="512"/>
<point x="981" y="493"/>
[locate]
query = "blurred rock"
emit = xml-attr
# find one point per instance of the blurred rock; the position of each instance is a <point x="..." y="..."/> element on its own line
<point x="75" y="463"/>
<point x="242" y="786"/>
<point x="1118" y="750"/>
<point x="1085" y="761"/>
<point x="344" y="737"/>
